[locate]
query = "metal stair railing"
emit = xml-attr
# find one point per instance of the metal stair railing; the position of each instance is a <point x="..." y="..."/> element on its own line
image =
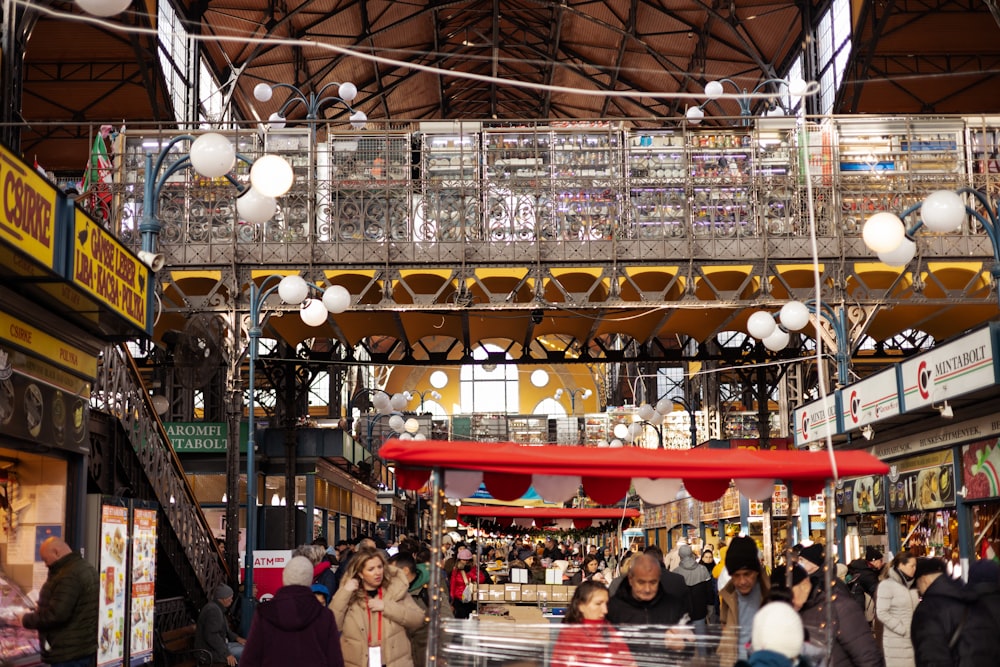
<point x="119" y="391"/>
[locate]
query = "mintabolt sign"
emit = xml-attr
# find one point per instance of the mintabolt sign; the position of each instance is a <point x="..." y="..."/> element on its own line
<point x="103" y="267"/>
<point x="955" y="368"/>
<point x="814" y="421"/>
<point x="27" y="210"/>
<point x="202" y="437"/>
<point x="869" y="400"/>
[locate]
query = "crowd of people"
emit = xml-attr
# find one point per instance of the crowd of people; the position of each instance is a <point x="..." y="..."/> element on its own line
<point x="366" y="605"/>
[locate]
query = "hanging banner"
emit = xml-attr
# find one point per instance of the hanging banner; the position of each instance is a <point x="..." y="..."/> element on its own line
<point x="815" y="421"/>
<point x="29" y="211"/>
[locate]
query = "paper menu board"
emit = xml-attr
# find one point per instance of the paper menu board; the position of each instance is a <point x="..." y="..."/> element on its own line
<point x="143" y="586"/>
<point x="111" y="598"/>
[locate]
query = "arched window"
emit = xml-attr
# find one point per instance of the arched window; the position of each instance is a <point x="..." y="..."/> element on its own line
<point x="488" y="387"/>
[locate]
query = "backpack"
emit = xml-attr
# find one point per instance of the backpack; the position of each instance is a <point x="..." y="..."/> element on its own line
<point x="864" y="600"/>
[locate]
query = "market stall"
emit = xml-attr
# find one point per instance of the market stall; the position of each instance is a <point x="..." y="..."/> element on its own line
<point x="509" y="470"/>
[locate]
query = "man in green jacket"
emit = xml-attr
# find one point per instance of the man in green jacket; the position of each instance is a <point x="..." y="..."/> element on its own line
<point x="66" y="617"/>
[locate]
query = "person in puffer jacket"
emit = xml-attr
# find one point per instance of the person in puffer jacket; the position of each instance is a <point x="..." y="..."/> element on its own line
<point x="895" y="603"/>
<point x="293" y="627"/>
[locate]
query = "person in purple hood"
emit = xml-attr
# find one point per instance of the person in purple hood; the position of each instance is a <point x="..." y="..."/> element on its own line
<point x="293" y="627"/>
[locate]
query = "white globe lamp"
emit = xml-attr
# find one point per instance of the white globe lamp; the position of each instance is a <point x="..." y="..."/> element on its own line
<point x="103" y="7"/>
<point x="347" y="91"/>
<point x="293" y="289"/>
<point x="883" y="232"/>
<point x="336" y="299"/>
<point x="314" y="313"/>
<point x="761" y="324"/>
<point x="254" y="207"/>
<point x="794" y="315"/>
<point x="213" y="155"/>
<point x="713" y="90"/>
<point x="276" y="121"/>
<point x="901" y="256"/>
<point x="263" y="92"/>
<point x="271" y="175"/>
<point x="694" y="115"/>
<point x="358" y="120"/>
<point x="777" y="340"/>
<point x="943" y="211"/>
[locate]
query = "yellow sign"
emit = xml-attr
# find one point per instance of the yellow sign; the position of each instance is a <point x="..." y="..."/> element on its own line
<point x="27" y="209"/>
<point x="45" y="346"/>
<point x="105" y="268"/>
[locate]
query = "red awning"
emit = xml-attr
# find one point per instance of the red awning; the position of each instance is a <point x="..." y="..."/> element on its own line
<point x="499" y="511"/>
<point x="564" y="517"/>
<point x="607" y="473"/>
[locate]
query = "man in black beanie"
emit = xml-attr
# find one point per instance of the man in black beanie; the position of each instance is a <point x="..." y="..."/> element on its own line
<point x="740" y="598"/>
<point x="863" y="577"/>
<point x="213" y="632"/>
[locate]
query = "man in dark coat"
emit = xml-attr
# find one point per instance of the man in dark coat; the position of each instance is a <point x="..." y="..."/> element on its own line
<point x="863" y="577"/>
<point x="293" y="627"/>
<point x="650" y="595"/>
<point x="937" y="621"/>
<point x="66" y="617"/>
<point x="212" y="632"/>
<point x="979" y="640"/>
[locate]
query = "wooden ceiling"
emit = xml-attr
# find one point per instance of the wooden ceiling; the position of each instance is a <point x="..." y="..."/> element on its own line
<point x="464" y="60"/>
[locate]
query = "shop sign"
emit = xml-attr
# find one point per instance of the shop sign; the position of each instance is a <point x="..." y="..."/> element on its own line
<point x="938" y="438"/>
<point x="860" y="495"/>
<point x="920" y="483"/>
<point x="874" y="398"/>
<point x="29" y="207"/>
<point x="814" y="421"/>
<point x="106" y="269"/>
<point x="981" y="469"/>
<point x="949" y="370"/>
<point x="38" y="343"/>
<point x="203" y="437"/>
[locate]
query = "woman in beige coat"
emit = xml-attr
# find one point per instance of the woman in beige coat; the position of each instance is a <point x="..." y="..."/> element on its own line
<point x="374" y="609"/>
<point x="894" y="604"/>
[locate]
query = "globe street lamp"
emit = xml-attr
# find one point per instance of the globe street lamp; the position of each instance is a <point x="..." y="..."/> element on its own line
<point x="772" y="329"/>
<point x="714" y="90"/>
<point x="211" y="155"/>
<point x="294" y="291"/>
<point x="313" y="102"/>
<point x="942" y="211"/>
<point x="573" y="393"/>
<point x="423" y="395"/>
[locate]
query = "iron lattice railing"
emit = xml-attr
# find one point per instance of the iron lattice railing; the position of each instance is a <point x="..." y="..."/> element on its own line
<point x="119" y="392"/>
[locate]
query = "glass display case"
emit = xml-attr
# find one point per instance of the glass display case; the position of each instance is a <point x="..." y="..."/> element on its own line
<point x="528" y="429"/>
<point x="720" y="167"/>
<point x="18" y="646"/>
<point x="656" y="166"/>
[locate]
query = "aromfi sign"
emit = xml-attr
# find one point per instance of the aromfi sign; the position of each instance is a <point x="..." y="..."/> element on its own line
<point x="203" y="437"/>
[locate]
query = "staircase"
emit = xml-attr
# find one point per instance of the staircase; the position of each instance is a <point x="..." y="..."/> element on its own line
<point x="131" y="456"/>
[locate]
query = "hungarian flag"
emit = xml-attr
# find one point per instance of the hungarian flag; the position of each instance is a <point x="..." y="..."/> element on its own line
<point x="96" y="184"/>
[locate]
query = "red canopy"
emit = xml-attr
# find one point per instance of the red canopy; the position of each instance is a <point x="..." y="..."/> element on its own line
<point x="500" y="511"/>
<point x="578" y="517"/>
<point x="606" y="473"/>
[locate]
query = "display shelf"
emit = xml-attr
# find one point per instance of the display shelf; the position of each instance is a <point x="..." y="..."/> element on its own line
<point x="451" y="157"/>
<point x="369" y="160"/>
<point x="528" y="429"/>
<point x="516" y="155"/>
<point x="18" y="646"/>
<point x="489" y="428"/>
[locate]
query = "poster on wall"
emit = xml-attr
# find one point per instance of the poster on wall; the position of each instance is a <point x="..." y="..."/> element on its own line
<point x="860" y="495"/>
<point x="981" y="469"/>
<point x="143" y="586"/>
<point x="925" y="482"/>
<point x="111" y="598"/>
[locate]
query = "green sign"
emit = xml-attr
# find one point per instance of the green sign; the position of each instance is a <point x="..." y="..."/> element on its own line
<point x="203" y="437"/>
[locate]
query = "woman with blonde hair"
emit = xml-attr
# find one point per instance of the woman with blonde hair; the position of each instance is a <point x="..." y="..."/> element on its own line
<point x="374" y="610"/>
